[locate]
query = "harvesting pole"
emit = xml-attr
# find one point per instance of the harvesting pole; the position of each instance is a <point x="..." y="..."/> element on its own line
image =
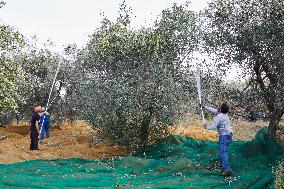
<point x="198" y="86"/>
<point x="48" y="104"/>
<point x="53" y="83"/>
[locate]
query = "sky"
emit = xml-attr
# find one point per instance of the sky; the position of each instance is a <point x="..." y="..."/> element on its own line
<point x="69" y="21"/>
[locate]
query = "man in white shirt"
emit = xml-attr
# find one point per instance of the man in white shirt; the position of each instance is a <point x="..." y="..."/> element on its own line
<point x="221" y="123"/>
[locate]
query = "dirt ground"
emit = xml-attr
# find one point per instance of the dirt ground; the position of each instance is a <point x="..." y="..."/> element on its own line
<point x="65" y="141"/>
<point x="75" y="140"/>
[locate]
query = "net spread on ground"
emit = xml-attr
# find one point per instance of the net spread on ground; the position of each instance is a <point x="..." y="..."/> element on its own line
<point x="178" y="162"/>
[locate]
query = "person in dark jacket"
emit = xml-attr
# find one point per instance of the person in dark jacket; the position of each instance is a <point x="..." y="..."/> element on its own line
<point x="44" y="124"/>
<point x="34" y="128"/>
<point x="18" y="117"/>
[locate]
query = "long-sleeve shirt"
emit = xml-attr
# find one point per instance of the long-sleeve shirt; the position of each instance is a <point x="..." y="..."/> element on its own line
<point x="221" y="122"/>
<point x="209" y="109"/>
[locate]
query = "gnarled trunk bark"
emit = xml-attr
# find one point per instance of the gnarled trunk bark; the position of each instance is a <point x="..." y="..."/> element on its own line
<point x="274" y="125"/>
<point x="145" y="127"/>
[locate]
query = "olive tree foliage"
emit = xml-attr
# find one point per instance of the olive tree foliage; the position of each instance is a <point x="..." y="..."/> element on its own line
<point x="250" y="98"/>
<point x="75" y="78"/>
<point x="250" y="33"/>
<point x="134" y="82"/>
<point x="39" y="66"/>
<point x="10" y="74"/>
<point x="216" y="90"/>
<point x="2" y="3"/>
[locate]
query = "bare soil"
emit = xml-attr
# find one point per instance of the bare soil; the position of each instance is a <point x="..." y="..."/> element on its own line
<point x="65" y="141"/>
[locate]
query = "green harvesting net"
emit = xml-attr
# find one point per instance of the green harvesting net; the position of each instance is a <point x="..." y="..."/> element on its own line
<point x="178" y="162"/>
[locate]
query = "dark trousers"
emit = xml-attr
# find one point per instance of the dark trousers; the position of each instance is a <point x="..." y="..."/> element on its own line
<point x="34" y="141"/>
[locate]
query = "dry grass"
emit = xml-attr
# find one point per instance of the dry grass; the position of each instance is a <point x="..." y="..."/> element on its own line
<point x="195" y="131"/>
<point x="192" y="127"/>
<point x="244" y="130"/>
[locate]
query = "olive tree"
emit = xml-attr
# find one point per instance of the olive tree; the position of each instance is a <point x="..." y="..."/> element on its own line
<point x="135" y="83"/>
<point x="249" y="33"/>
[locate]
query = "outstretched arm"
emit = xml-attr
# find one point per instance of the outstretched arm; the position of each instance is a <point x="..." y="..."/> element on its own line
<point x="209" y="109"/>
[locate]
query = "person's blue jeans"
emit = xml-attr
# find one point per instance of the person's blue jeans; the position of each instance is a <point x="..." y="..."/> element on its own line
<point x="224" y="141"/>
<point x="46" y="129"/>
